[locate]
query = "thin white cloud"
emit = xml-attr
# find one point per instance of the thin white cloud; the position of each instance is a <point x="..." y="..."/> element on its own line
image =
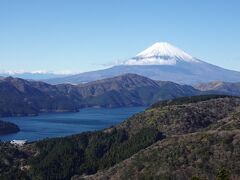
<point x="61" y="72"/>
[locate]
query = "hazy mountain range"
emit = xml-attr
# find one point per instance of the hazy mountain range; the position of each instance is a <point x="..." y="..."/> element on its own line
<point x="223" y="87"/>
<point x="20" y="97"/>
<point x="161" y="61"/>
<point x="39" y="75"/>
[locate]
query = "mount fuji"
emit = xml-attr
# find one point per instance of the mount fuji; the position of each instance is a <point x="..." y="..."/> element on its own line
<point x="161" y="61"/>
<point x="161" y="54"/>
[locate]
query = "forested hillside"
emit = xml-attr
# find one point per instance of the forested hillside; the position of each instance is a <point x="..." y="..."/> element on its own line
<point x="19" y="97"/>
<point x="177" y="139"/>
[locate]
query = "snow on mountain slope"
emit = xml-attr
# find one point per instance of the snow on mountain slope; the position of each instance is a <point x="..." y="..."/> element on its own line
<point x="161" y="61"/>
<point x="161" y="54"/>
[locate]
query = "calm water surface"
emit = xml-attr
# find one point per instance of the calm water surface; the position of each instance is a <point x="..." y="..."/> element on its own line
<point x="63" y="124"/>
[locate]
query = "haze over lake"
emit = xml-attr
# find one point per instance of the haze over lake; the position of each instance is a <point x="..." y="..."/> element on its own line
<point x="49" y="125"/>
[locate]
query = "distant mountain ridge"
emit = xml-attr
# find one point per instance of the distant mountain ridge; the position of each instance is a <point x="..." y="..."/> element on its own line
<point x="161" y="61"/>
<point x="32" y="75"/>
<point x="21" y="97"/>
<point x="220" y="87"/>
<point x="125" y="90"/>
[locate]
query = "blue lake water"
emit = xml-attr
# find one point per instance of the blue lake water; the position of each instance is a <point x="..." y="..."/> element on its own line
<point x="48" y="125"/>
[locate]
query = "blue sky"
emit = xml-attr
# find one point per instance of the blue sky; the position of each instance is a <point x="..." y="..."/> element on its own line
<point x="83" y="35"/>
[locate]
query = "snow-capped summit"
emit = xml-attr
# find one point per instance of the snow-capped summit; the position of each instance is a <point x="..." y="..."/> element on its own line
<point x="160" y="49"/>
<point x="160" y="53"/>
<point x="161" y="61"/>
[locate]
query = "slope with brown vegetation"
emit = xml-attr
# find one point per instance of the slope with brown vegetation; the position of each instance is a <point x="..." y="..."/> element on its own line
<point x="202" y="141"/>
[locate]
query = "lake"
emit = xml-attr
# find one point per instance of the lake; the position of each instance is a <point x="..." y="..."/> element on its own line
<point x="48" y="125"/>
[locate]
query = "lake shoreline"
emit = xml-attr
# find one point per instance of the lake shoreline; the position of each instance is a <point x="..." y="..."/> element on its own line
<point x="61" y="124"/>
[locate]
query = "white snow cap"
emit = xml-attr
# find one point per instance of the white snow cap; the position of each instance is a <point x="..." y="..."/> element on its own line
<point x="161" y="53"/>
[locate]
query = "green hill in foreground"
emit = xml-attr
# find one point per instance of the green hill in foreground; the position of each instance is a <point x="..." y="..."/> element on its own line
<point x="197" y="137"/>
